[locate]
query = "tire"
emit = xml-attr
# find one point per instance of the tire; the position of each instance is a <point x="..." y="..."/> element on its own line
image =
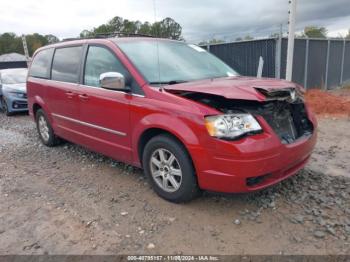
<point x="5" y="108"/>
<point x="45" y="131"/>
<point x="163" y="147"/>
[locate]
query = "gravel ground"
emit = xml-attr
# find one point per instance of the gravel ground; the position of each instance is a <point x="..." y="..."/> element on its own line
<point x="68" y="200"/>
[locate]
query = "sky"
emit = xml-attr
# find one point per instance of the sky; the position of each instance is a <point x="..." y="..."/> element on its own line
<point x="200" y="19"/>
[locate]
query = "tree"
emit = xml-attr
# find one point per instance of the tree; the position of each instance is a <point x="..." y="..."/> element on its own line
<point x="35" y="41"/>
<point x="167" y="28"/>
<point x="116" y="23"/>
<point x="51" y="39"/>
<point x="129" y="27"/>
<point x="85" y="34"/>
<point x="238" y="39"/>
<point x="145" y="28"/>
<point x="315" y="32"/>
<point x="10" y="42"/>
<point x="248" y="37"/>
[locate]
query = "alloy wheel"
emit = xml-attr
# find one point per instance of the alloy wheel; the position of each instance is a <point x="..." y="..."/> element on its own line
<point x="166" y="170"/>
<point x="43" y="128"/>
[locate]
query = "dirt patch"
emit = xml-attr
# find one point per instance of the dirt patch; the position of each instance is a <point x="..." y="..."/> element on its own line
<point x="331" y="155"/>
<point x="68" y="200"/>
<point x="323" y="103"/>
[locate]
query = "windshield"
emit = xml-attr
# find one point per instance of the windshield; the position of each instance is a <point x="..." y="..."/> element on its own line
<point x="14" y="76"/>
<point x="177" y="62"/>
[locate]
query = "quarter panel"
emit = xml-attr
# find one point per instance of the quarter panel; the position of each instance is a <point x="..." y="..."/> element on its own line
<point x="36" y="93"/>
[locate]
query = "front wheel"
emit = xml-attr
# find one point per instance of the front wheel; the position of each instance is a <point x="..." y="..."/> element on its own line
<point x="169" y="168"/>
<point x="5" y="108"/>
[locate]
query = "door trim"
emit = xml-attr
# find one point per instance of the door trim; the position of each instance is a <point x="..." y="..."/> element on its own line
<point x="90" y="125"/>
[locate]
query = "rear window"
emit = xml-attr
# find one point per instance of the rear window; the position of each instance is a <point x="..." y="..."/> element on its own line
<point x="66" y="64"/>
<point x="41" y="63"/>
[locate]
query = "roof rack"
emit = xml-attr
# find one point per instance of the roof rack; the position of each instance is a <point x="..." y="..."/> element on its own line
<point x="108" y="35"/>
<point x="120" y="34"/>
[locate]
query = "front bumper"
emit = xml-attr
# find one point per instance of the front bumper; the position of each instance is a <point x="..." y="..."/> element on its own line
<point x="252" y="163"/>
<point x="15" y="104"/>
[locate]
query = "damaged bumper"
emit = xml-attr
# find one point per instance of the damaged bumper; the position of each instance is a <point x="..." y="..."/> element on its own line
<point x="226" y="162"/>
<point x="252" y="163"/>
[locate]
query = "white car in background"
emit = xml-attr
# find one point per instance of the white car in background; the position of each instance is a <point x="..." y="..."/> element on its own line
<point x="13" y="91"/>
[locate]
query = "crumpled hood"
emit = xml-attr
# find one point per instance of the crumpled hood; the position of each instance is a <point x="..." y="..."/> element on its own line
<point x="21" y="88"/>
<point x="245" y="88"/>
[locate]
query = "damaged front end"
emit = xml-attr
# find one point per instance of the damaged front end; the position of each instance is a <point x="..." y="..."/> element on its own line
<point x="283" y="110"/>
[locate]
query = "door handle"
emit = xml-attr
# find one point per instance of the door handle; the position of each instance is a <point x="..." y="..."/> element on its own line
<point x="69" y="94"/>
<point x="84" y="97"/>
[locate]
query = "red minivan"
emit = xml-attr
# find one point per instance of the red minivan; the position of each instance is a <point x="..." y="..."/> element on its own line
<point x="188" y="119"/>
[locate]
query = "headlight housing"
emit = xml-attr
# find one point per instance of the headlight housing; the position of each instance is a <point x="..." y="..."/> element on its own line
<point x="231" y="126"/>
<point x="18" y="94"/>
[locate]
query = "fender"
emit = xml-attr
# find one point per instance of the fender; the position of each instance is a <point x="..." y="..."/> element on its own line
<point x="38" y="100"/>
<point x="163" y="121"/>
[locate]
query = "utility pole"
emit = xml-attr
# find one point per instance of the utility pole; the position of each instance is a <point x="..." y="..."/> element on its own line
<point x="25" y="47"/>
<point x="291" y="35"/>
<point x="278" y="54"/>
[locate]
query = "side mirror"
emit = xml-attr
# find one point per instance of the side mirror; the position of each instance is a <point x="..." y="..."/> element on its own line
<point x="113" y="81"/>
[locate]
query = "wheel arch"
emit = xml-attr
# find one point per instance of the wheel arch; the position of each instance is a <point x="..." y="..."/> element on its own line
<point x="148" y="134"/>
<point x="159" y="123"/>
<point x="38" y="103"/>
<point x="35" y="108"/>
<point x="151" y="132"/>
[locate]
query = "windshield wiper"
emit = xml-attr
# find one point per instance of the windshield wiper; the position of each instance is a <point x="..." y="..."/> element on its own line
<point x="171" y="82"/>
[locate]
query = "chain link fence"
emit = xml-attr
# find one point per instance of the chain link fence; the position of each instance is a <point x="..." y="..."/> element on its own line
<point x="317" y="63"/>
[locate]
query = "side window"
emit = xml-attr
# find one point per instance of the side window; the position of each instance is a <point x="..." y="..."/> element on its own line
<point x="100" y="60"/>
<point x="66" y="64"/>
<point x="41" y="64"/>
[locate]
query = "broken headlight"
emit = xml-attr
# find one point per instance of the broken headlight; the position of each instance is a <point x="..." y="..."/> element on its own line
<point x="231" y="126"/>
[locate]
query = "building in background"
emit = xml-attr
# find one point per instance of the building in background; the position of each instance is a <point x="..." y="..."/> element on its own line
<point x="12" y="60"/>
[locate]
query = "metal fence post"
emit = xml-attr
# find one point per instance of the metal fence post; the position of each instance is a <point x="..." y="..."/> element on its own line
<point x="342" y="64"/>
<point x="260" y="67"/>
<point x="208" y="48"/>
<point x="278" y="50"/>
<point x="306" y="62"/>
<point x="327" y="64"/>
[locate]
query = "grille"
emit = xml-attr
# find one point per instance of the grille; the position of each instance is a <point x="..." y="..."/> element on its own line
<point x="19" y="104"/>
<point x="289" y="121"/>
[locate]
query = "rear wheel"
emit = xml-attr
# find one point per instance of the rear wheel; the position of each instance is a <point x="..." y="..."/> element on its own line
<point x="46" y="133"/>
<point x="169" y="168"/>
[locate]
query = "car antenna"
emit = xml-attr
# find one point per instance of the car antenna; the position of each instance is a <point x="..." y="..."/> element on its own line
<point x="157" y="44"/>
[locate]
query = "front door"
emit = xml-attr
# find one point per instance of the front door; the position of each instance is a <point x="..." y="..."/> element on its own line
<point x="104" y="114"/>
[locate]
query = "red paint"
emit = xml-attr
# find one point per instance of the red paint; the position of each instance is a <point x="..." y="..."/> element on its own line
<point x="234" y="87"/>
<point x="220" y="165"/>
